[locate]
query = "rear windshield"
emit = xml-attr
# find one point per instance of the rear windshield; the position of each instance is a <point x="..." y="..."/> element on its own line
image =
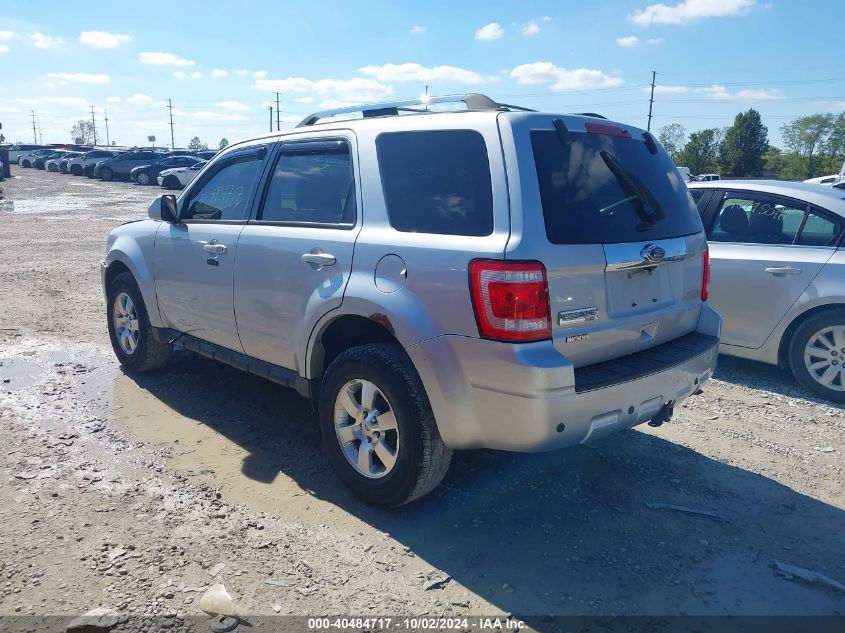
<point x="597" y="188"/>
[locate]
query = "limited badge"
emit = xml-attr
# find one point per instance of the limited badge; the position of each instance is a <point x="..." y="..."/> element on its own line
<point x="575" y="339"/>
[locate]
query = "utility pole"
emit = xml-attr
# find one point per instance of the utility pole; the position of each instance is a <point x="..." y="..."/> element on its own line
<point x="277" y="114"/>
<point x="170" y="108"/>
<point x="271" y="117"/>
<point x="94" y="125"/>
<point x="426" y="96"/>
<point x="107" y="128"/>
<point x="34" y="137"/>
<point x="651" y="100"/>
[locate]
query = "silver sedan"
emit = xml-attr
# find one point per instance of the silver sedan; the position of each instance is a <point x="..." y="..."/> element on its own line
<point x="778" y="275"/>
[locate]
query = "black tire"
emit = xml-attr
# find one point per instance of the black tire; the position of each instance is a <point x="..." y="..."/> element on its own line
<point x="75" y="170"/>
<point x="106" y="174"/>
<point x="26" y="164"/>
<point x="150" y="353"/>
<point x="422" y="459"/>
<point x="171" y="182"/>
<point x="801" y="337"/>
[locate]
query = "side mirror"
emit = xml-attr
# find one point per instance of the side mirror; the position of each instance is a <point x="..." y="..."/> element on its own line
<point x="163" y="208"/>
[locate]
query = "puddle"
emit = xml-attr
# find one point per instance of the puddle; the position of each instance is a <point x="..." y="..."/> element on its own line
<point x="16" y="373"/>
<point x="44" y="205"/>
<point x="257" y="442"/>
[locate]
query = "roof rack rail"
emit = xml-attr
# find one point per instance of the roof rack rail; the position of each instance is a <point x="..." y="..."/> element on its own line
<point x="473" y="101"/>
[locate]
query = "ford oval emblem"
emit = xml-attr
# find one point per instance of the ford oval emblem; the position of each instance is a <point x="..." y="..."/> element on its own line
<point x="653" y="253"/>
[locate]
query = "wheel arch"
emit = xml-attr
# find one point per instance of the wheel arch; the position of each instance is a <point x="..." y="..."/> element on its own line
<point x="127" y="257"/>
<point x="343" y="332"/>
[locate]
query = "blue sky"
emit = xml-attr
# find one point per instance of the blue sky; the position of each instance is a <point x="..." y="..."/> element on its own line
<point x="222" y="62"/>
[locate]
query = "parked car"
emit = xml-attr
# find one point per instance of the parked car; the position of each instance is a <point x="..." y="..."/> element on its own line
<point x="54" y="164"/>
<point x="685" y="172"/>
<point x="121" y="166"/>
<point x="28" y="159"/>
<point x="207" y="154"/>
<point x="706" y="177"/>
<point x="520" y="281"/>
<point x="147" y="174"/>
<point x="77" y="165"/>
<point x="832" y="179"/>
<point x="179" y="177"/>
<point x="779" y="275"/>
<point x="16" y="151"/>
<point x="40" y="162"/>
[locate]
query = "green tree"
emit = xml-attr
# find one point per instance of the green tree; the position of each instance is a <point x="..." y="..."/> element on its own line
<point x="672" y="138"/>
<point x="787" y="165"/>
<point x="82" y="132"/>
<point x="834" y="146"/>
<point x="745" y="143"/>
<point x="197" y="144"/>
<point x="806" y="136"/>
<point x="224" y="142"/>
<point x="701" y="152"/>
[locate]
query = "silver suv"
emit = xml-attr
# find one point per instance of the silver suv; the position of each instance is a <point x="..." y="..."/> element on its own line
<point x="435" y="280"/>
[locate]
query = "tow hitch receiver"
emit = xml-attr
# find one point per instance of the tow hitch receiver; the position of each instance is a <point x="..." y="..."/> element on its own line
<point x="664" y="415"/>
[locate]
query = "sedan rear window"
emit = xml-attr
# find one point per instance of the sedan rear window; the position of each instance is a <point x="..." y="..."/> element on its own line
<point x="598" y="188"/>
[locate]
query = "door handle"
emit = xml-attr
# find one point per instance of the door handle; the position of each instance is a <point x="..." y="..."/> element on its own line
<point x="319" y="259"/>
<point x="215" y="249"/>
<point x="779" y="271"/>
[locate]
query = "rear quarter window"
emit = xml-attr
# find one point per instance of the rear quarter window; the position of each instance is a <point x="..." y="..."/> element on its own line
<point x="436" y="182"/>
<point x="598" y="188"/>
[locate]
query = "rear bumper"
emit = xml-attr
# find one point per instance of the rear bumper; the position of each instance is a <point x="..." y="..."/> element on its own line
<point x="529" y="397"/>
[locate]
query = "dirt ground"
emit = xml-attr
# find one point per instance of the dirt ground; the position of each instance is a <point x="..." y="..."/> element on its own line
<point x="137" y="492"/>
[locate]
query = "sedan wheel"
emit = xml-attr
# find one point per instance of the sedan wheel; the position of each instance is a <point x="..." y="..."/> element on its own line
<point x="143" y="178"/>
<point x="817" y="354"/>
<point x="824" y="355"/>
<point x="106" y="173"/>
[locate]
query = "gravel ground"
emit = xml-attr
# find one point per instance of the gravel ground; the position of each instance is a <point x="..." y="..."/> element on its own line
<point x="139" y="492"/>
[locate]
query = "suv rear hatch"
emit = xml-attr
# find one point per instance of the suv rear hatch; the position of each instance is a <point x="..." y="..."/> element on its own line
<point x="609" y="216"/>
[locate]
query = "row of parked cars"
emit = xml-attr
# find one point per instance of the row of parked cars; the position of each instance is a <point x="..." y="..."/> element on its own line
<point x="169" y="169"/>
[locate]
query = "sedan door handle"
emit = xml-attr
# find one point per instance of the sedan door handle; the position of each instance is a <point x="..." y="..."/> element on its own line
<point x="319" y="259"/>
<point x="215" y="249"/>
<point x="778" y="271"/>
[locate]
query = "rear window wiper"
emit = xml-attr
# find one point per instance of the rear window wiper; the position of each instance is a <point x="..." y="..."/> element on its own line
<point x="648" y="211"/>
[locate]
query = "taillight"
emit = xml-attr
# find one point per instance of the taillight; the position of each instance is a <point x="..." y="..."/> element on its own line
<point x="705" y="276"/>
<point x="510" y="300"/>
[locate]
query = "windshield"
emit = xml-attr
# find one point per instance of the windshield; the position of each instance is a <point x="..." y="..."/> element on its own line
<point x="597" y="188"/>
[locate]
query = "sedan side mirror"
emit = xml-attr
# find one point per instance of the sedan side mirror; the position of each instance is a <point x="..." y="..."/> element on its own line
<point x="163" y="208"/>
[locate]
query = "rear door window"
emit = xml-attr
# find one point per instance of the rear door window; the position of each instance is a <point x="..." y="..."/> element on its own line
<point x="436" y="182"/>
<point x="598" y="188"/>
<point x="820" y="230"/>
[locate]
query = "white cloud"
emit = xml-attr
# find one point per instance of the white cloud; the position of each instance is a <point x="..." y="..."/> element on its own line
<point x="39" y="40"/>
<point x="85" y="78"/>
<point x="417" y="30"/>
<point x="629" y="40"/>
<point x="530" y="29"/>
<point x="6" y="35"/>
<point x="304" y="100"/>
<point x="219" y="72"/>
<point x="114" y="99"/>
<point x="241" y="72"/>
<point x="562" y="79"/>
<point x="71" y="101"/>
<point x="102" y="39"/>
<point x="183" y="75"/>
<point x="139" y="98"/>
<point x="209" y="116"/>
<point x="719" y="93"/>
<point x="232" y="105"/>
<point x="4" y="48"/>
<point x="420" y="73"/>
<point x="356" y="90"/>
<point x="654" y="40"/>
<point x="546" y="18"/>
<point x="492" y="31"/>
<point x="164" y="59"/>
<point x="260" y="74"/>
<point x="196" y="75"/>
<point x="689" y="11"/>
<point x="6" y="110"/>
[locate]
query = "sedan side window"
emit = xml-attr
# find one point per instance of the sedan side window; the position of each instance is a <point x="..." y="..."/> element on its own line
<point x="820" y="231"/>
<point x="752" y="220"/>
<point x="225" y="192"/>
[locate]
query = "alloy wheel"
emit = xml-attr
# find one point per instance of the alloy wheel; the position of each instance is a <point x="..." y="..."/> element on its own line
<point x="366" y="428"/>
<point x="824" y="355"/>
<point x="125" y="321"/>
